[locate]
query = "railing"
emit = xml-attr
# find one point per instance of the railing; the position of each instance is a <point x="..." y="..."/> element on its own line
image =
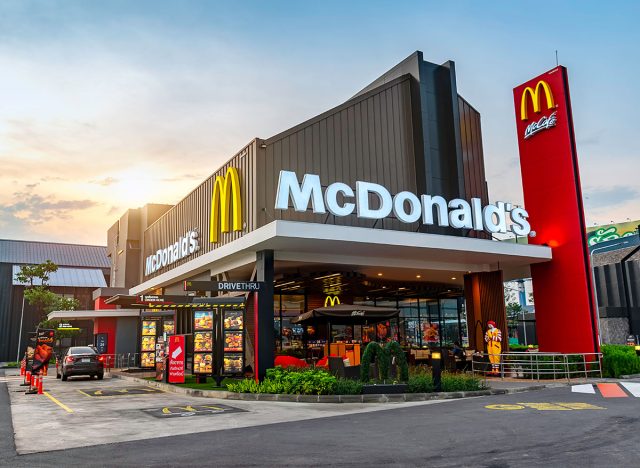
<point x="539" y="366"/>
<point x="121" y="361"/>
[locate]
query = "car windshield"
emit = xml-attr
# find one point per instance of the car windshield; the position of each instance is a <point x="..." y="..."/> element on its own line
<point x="81" y="350"/>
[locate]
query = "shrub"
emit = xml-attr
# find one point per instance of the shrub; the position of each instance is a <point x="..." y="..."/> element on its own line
<point x="619" y="360"/>
<point x="347" y="387"/>
<point x="291" y="381"/>
<point x="461" y="383"/>
<point x="393" y="349"/>
<point x="374" y="350"/>
<point x="421" y="383"/>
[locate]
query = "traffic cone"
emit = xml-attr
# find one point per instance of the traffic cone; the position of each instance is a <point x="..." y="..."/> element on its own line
<point x="44" y="370"/>
<point x="40" y="391"/>
<point x="32" y="379"/>
<point x="22" y="368"/>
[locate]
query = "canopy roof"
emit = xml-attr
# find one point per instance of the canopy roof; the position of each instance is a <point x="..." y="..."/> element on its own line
<point x="348" y="311"/>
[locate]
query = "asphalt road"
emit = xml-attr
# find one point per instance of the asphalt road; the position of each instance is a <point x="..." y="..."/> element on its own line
<point x="458" y="433"/>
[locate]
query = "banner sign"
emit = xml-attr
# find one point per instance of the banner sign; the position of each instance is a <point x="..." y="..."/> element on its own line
<point x="244" y="286"/>
<point x="176" y="359"/>
<point x="44" y="349"/>
<point x="609" y="232"/>
<point x="563" y="291"/>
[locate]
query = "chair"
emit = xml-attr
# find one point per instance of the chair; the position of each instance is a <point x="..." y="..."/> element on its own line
<point x="337" y="368"/>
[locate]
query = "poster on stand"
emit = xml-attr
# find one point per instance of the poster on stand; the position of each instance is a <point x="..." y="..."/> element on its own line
<point x="148" y="339"/>
<point x="176" y="358"/>
<point x="43" y="350"/>
<point x="233" y="335"/>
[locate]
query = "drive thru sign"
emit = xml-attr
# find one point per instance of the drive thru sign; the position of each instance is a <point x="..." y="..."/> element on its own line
<point x="176" y="359"/>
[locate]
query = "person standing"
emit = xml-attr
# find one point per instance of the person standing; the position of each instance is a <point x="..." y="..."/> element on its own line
<point x="493" y="338"/>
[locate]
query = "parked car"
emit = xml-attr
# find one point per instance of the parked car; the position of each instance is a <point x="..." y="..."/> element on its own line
<point x="80" y="360"/>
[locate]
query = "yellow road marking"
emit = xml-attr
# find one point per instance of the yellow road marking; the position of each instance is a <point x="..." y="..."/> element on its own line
<point x="61" y="405"/>
<point x="546" y="406"/>
<point x="84" y="393"/>
<point x="505" y="407"/>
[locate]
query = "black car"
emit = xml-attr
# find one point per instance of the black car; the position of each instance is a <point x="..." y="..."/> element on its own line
<point x="80" y="360"/>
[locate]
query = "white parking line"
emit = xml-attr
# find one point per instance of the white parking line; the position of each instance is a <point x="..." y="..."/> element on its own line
<point x="633" y="388"/>
<point x="583" y="388"/>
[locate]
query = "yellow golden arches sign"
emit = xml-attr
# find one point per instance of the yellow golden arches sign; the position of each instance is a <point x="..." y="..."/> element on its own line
<point x="225" y="191"/>
<point x="330" y="301"/>
<point x="535" y="98"/>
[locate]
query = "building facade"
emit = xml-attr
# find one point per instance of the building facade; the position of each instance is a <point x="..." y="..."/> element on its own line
<point x="379" y="201"/>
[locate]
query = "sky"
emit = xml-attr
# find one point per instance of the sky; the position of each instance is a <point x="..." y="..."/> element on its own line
<point x="110" y="105"/>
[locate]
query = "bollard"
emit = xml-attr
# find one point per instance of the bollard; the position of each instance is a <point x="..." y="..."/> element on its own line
<point x="436" y="365"/>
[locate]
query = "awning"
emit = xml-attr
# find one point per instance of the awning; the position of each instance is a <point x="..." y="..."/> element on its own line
<point x="91" y="314"/>
<point x="71" y="277"/>
<point x="355" y="313"/>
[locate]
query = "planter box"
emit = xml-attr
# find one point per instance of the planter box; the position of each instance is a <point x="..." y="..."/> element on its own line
<point x="384" y="388"/>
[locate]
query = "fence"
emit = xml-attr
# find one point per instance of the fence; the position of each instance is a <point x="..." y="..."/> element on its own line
<point x="121" y="361"/>
<point x="540" y="366"/>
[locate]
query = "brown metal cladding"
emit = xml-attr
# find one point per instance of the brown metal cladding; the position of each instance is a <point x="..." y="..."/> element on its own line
<point x="369" y="138"/>
<point x="484" y="295"/>
<point x="472" y="156"/>
<point x="193" y="211"/>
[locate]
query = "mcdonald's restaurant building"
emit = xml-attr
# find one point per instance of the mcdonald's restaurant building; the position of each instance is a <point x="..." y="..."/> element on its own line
<point x="381" y="201"/>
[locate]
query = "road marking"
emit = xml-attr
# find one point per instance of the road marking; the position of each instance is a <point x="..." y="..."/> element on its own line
<point x="505" y="407"/>
<point x="92" y="392"/>
<point x="191" y="410"/>
<point x="546" y="406"/>
<point x="60" y="404"/>
<point x="584" y="388"/>
<point x="633" y="388"/>
<point x="611" y="390"/>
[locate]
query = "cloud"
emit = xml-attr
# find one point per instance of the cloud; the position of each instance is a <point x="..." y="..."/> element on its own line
<point x="32" y="209"/>
<point x="105" y="182"/>
<point x="608" y="197"/>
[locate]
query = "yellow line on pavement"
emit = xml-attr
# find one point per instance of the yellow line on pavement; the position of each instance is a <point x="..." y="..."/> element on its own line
<point x="61" y="405"/>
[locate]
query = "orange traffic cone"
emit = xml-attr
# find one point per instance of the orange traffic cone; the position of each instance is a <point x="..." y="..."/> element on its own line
<point x="44" y="370"/>
<point x="40" y="391"/>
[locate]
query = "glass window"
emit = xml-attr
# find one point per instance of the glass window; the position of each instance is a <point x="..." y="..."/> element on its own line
<point x="291" y="307"/>
<point x="409" y="333"/>
<point x="450" y="322"/>
<point x="430" y="326"/>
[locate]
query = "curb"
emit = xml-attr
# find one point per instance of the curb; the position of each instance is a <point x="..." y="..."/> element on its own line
<point x="372" y="398"/>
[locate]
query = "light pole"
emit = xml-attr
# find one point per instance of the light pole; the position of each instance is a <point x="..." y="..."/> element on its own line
<point x="593" y="280"/>
<point x="20" y="334"/>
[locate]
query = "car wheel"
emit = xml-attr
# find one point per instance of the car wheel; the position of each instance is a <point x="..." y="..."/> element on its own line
<point x="100" y="376"/>
<point x="64" y="377"/>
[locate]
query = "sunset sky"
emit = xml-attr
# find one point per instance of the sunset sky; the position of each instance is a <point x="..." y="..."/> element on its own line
<point x="110" y="105"/>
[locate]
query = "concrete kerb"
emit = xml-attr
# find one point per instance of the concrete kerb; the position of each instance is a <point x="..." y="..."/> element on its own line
<point x="373" y="398"/>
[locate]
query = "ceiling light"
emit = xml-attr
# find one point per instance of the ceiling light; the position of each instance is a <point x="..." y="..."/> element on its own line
<point x="418" y="276"/>
<point x="379" y="274"/>
<point x="453" y="277"/>
<point x="327" y="276"/>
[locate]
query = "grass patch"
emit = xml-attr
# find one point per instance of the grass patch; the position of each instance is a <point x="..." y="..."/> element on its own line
<point x="10" y="365"/>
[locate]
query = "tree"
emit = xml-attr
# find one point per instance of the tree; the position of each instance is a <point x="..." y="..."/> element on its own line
<point x="38" y="295"/>
<point x="514" y="313"/>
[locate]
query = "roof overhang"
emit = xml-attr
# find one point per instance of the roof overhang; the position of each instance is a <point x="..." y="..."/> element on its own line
<point x="348" y="245"/>
<point x="92" y="314"/>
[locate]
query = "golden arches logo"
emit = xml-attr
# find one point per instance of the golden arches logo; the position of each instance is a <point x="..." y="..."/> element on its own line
<point x="331" y="301"/>
<point x="534" y="93"/>
<point x="225" y="191"/>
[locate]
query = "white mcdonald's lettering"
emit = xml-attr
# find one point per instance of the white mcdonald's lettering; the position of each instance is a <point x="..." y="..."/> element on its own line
<point x="406" y="206"/>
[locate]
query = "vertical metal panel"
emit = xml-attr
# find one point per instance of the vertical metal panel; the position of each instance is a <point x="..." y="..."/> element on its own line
<point x="193" y="211"/>
<point x="368" y="138"/>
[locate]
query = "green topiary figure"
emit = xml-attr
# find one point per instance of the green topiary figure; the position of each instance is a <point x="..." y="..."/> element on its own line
<point x="374" y="350"/>
<point x="393" y="349"/>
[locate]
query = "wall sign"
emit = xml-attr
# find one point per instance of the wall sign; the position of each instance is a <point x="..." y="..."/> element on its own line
<point x="406" y="206"/>
<point x="183" y="247"/>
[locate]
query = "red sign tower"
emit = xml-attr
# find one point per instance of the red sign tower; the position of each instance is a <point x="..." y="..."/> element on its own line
<point x="566" y="316"/>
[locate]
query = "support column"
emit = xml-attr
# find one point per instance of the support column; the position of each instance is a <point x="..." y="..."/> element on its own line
<point x="264" y="341"/>
<point x="484" y="294"/>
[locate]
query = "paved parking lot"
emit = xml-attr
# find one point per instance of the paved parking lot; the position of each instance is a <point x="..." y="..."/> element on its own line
<point x="91" y="412"/>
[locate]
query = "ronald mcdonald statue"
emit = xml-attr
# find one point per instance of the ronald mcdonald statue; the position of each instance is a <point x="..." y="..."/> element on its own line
<point x="493" y="337"/>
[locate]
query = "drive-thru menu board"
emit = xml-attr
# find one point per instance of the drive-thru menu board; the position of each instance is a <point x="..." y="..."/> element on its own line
<point x="148" y="343"/>
<point x="233" y="329"/>
<point x="203" y="342"/>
